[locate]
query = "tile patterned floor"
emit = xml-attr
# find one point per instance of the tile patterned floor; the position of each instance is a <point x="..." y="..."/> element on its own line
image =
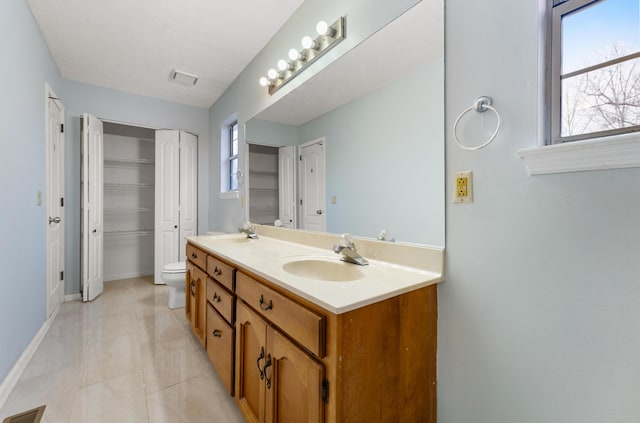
<point x="124" y="357"/>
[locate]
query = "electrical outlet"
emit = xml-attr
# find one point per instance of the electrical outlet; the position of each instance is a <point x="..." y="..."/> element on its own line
<point x="463" y="184"/>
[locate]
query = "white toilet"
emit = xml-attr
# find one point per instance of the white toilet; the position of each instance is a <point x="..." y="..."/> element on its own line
<point x="173" y="276"/>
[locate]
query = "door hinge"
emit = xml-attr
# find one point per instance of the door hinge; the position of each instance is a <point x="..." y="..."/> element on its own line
<point x="325" y="391"/>
<point x="301" y="157"/>
<point x="61" y="201"/>
<point x="62" y="128"/>
<point x="301" y="201"/>
<point x="62" y="275"/>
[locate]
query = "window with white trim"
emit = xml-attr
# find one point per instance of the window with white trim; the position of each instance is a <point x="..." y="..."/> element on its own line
<point x="232" y="161"/>
<point x="593" y="78"/>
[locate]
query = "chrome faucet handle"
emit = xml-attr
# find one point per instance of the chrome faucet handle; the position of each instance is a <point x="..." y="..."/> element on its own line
<point x="346" y="240"/>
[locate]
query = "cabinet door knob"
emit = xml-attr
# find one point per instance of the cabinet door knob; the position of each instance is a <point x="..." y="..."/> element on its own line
<point x="264" y="306"/>
<point x="216" y="297"/>
<point x="260" y="357"/>
<point x="193" y="288"/>
<point x="217" y="333"/>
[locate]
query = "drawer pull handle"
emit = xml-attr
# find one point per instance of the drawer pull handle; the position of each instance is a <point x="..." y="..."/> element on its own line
<point x="267" y="306"/>
<point x="193" y="288"/>
<point x="217" y="272"/>
<point x="217" y="333"/>
<point x="267" y="364"/>
<point x="260" y="357"/>
<point x="216" y="297"/>
<point x="194" y="255"/>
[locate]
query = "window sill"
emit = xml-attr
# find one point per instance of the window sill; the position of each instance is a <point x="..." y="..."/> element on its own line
<point x="229" y="195"/>
<point x="616" y="152"/>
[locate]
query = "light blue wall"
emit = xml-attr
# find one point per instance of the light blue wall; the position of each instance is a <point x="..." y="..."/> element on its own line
<point x="26" y="65"/>
<point x="385" y="160"/>
<point x="264" y="132"/>
<point x="245" y="98"/>
<point x="538" y="316"/>
<point x="127" y="108"/>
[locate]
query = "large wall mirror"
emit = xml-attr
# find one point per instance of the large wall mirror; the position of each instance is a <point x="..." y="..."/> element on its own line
<point x="360" y="146"/>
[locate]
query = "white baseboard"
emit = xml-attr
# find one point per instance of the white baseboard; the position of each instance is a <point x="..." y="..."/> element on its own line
<point x="16" y="372"/>
<point x="72" y="297"/>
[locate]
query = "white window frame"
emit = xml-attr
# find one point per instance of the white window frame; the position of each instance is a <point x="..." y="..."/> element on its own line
<point x="593" y="152"/>
<point x="226" y="156"/>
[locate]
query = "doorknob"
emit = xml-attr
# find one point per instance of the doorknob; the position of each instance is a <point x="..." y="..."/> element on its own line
<point x="54" y="220"/>
<point x="318" y="211"/>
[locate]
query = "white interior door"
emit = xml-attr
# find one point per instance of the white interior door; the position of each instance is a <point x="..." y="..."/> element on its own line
<point x="167" y="196"/>
<point x="92" y="207"/>
<point x="55" y="201"/>
<point x="188" y="190"/>
<point x="312" y="186"/>
<point x="287" y="186"/>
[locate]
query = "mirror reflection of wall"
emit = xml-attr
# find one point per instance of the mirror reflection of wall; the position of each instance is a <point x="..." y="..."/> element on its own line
<point x="379" y="110"/>
<point x="384" y="158"/>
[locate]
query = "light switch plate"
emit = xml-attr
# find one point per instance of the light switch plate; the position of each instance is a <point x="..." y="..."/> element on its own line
<point x="463" y="187"/>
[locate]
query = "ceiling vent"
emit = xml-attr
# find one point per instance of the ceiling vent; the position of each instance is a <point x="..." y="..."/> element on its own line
<point x="183" y="78"/>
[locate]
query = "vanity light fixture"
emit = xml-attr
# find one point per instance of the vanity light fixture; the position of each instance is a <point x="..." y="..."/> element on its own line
<point x="312" y="49"/>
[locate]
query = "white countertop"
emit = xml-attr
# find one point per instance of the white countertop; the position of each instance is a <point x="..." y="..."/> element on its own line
<point x="266" y="256"/>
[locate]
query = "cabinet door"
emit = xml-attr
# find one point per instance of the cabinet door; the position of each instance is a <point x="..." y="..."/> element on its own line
<point x="294" y="383"/>
<point x="197" y="302"/>
<point x="250" y="360"/>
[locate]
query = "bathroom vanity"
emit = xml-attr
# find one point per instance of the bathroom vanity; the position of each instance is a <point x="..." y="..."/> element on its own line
<point x="296" y="335"/>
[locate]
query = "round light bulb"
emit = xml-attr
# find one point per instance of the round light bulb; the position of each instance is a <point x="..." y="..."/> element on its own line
<point x="293" y="54"/>
<point x="283" y="65"/>
<point x="322" y="28"/>
<point x="264" y="81"/>
<point x="273" y="74"/>
<point x="307" y="42"/>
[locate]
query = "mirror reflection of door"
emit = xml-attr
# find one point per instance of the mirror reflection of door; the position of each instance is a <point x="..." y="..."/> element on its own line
<point x="287" y="186"/>
<point x="312" y="186"/>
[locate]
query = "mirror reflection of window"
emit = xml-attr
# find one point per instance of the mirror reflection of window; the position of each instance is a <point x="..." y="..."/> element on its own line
<point x="233" y="156"/>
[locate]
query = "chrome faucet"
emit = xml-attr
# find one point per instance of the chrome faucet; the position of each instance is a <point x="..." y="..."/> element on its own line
<point x="348" y="252"/>
<point x="248" y="229"/>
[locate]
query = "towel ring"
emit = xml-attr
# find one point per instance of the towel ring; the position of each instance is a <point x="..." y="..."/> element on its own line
<point x="481" y="105"/>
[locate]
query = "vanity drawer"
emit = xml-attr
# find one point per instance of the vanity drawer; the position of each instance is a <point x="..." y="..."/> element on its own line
<point x="303" y="325"/>
<point x="197" y="256"/>
<point x="220" y="343"/>
<point x="221" y="272"/>
<point x="220" y="299"/>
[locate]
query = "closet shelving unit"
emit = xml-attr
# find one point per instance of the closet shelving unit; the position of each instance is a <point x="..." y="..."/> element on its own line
<point x="129" y="177"/>
<point x="263" y="184"/>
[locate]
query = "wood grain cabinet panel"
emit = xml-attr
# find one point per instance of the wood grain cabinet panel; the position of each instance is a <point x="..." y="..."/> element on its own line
<point x="221" y="272"/>
<point x="305" y="326"/>
<point x="276" y="380"/>
<point x="220" y="299"/>
<point x="220" y="347"/>
<point x="197" y="256"/>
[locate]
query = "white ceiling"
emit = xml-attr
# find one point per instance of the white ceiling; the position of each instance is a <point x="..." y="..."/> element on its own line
<point x="133" y="45"/>
<point x="413" y="39"/>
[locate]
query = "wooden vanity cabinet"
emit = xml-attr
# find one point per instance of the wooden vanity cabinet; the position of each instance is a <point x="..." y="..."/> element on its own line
<point x="373" y="364"/>
<point x="276" y="380"/>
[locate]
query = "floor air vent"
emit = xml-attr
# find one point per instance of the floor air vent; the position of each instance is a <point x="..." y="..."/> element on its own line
<point x="31" y="416"/>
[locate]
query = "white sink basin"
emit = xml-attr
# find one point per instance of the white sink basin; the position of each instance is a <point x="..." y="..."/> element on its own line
<point x="323" y="269"/>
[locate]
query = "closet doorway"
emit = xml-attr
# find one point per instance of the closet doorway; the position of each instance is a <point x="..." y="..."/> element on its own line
<point x="135" y="186"/>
